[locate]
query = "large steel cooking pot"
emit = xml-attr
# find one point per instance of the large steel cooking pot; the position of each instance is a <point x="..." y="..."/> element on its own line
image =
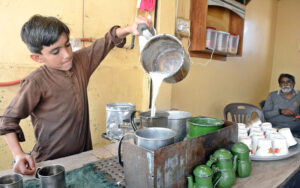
<point x="198" y="126"/>
<point x="177" y="122"/>
<point x="151" y="138"/>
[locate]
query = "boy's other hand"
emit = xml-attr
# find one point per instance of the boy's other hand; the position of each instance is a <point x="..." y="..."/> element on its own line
<point x="24" y="164"/>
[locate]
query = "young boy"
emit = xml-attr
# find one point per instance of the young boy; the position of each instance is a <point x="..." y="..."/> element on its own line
<point x="55" y="94"/>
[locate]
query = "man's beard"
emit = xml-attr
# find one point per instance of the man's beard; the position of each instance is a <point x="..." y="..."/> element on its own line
<point x="286" y="89"/>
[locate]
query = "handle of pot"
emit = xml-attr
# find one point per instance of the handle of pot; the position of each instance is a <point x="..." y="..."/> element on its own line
<point x="119" y="152"/>
<point x="132" y="42"/>
<point x="132" y="121"/>
<point x="235" y="160"/>
<point x="211" y="161"/>
<point x="37" y="173"/>
<point x="142" y="27"/>
<point x="215" y="170"/>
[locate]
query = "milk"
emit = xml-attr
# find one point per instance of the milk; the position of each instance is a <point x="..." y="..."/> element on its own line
<point x="157" y="78"/>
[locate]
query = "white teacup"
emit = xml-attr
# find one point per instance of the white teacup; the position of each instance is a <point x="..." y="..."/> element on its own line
<point x="286" y="132"/>
<point x="264" y="147"/>
<point x="248" y="141"/>
<point x="274" y="135"/>
<point x="255" y="139"/>
<point x="265" y="126"/>
<point x="242" y="135"/>
<point x="280" y="146"/>
<point x="256" y="133"/>
<point x="242" y="131"/>
<point x="241" y="125"/>
<point x="270" y="131"/>
<point x="255" y="129"/>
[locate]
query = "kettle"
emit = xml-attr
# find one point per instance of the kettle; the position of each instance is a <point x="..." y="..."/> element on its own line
<point x="203" y="177"/>
<point x="223" y="167"/>
<point x="163" y="53"/>
<point x="241" y="150"/>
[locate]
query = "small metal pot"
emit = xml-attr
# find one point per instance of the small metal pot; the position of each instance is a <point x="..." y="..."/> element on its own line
<point x="151" y="138"/>
<point x="154" y="138"/>
<point x="11" y="181"/>
<point x="165" y="53"/>
<point x="177" y="122"/>
<point x="198" y="126"/>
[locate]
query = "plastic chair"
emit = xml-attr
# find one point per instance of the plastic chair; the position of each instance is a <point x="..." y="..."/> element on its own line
<point x="242" y="112"/>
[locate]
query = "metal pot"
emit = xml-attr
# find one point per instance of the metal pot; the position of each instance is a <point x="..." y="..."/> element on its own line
<point x="11" y="181"/>
<point x="177" y="122"/>
<point x="151" y="138"/>
<point x="154" y="138"/>
<point x="146" y="120"/>
<point x="118" y="119"/>
<point x="198" y="126"/>
<point x="164" y="53"/>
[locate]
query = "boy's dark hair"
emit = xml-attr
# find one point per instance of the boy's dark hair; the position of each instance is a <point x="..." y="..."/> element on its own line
<point x="41" y="31"/>
<point x="291" y="77"/>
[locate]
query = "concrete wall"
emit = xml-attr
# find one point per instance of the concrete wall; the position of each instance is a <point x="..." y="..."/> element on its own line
<point x="287" y="42"/>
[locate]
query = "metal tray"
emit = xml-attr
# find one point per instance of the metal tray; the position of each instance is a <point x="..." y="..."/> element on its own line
<point x="293" y="150"/>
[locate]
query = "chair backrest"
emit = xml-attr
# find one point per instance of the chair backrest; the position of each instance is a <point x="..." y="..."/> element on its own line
<point x="242" y="112"/>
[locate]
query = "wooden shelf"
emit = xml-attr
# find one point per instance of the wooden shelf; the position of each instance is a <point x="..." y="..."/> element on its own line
<point x="203" y="15"/>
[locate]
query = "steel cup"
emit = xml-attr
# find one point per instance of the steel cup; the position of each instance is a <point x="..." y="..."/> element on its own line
<point x="51" y="176"/>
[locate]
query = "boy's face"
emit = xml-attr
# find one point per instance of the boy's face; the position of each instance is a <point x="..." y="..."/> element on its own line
<point x="58" y="55"/>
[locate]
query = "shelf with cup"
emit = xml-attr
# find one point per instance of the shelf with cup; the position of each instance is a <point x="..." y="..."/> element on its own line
<point x="223" y="15"/>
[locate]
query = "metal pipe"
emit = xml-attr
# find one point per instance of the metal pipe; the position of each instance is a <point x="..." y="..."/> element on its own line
<point x="2" y="84"/>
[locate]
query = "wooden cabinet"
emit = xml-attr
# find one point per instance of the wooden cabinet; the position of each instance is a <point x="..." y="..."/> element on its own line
<point x="203" y="15"/>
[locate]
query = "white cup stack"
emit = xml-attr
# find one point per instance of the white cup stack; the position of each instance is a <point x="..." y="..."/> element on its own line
<point x="264" y="147"/>
<point x="255" y="139"/>
<point x="280" y="146"/>
<point x="248" y="142"/>
<point x="265" y="126"/>
<point x="264" y="140"/>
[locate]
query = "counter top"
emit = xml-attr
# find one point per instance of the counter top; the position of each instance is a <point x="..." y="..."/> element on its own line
<point x="75" y="161"/>
<point x="264" y="173"/>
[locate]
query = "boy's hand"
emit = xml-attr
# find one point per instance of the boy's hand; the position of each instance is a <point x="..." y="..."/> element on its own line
<point x="24" y="164"/>
<point x="140" y="20"/>
<point x="132" y="29"/>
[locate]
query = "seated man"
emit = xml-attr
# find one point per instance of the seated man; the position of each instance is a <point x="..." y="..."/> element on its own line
<point x="282" y="106"/>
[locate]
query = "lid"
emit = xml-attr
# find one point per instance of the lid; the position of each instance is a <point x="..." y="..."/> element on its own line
<point x="205" y="121"/>
<point x="213" y="28"/>
<point x="222" y="154"/>
<point x="240" y="148"/>
<point x="203" y="171"/>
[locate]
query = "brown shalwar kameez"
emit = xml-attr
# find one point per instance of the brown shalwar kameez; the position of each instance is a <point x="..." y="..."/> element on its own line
<point x="58" y="104"/>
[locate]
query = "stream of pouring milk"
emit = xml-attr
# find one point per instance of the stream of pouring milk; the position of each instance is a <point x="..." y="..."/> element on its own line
<point x="157" y="78"/>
